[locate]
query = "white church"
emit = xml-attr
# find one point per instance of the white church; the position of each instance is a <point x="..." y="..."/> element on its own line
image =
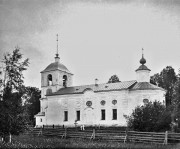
<point x="95" y="104"/>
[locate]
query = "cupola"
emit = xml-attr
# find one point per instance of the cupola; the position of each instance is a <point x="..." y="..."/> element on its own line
<point x="142" y="73"/>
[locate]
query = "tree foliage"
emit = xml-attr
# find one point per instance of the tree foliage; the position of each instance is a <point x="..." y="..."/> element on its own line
<point x="31" y="102"/>
<point x="166" y="79"/>
<point x="12" y="116"/>
<point x="150" y="117"/>
<point x="113" y="79"/>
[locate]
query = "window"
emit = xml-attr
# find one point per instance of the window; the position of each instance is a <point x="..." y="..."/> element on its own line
<point x="49" y="79"/>
<point x="103" y="114"/>
<point x="48" y="91"/>
<point x="114" y="102"/>
<point x="65" y="115"/>
<point x="89" y="103"/>
<point x="78" y="115"/>
<point x="65" y="81"/>
<point x="103" y="102"/>
<point x="40" y="119"/>
<point x="114" y="114"/>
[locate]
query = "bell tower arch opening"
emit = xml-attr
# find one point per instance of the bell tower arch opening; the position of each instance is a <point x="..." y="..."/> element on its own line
<point x="65" y="80"/>
<point x="49" y="79"/>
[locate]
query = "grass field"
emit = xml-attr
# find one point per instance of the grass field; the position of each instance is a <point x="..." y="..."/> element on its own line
<point x="25" y="141"/>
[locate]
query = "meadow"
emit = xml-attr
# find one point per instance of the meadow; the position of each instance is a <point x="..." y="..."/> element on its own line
<point x="29" y="141"/>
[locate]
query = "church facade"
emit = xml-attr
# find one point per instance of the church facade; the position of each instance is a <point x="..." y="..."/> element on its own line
<point x="95" y="104"/>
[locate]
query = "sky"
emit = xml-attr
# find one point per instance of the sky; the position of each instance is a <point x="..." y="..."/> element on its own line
<point x="97" y="38"/>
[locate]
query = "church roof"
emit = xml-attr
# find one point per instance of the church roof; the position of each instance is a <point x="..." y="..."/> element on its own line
<point x="143" y="67"/>
<point x="95" y="88"/>
<point x="145" y="86"/>
<point x="56" y="66"/>
<point x="131" y="85"/>
<point x="40" y="114"/>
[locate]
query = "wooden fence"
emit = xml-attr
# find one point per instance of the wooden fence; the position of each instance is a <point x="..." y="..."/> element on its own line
<point x="109" y="134"/>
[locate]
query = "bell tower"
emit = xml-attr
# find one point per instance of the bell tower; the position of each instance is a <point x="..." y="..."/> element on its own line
<point x="55" y="76"/>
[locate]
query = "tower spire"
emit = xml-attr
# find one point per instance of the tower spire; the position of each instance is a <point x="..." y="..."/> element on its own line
<point x="57" y="54"/>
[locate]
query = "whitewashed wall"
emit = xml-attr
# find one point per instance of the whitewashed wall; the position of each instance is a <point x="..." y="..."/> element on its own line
<point x="143" y="76"/>
<point x="55" y="106"/>
<point x="57" y="81"/>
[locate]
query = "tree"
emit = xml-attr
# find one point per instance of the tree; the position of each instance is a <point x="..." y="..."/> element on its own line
<point x="113" y="79"/>
<point x="176" y="102"/>
<point x="12" y="116"/>
<point x="150" y="117"/>
<point x="166" y="79"/>
<point x="31" y="101"/>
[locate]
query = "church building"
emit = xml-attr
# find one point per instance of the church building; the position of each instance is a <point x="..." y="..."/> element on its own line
<point x="95" y="104"/>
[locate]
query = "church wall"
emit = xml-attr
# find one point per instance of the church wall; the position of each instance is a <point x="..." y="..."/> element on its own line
<point x="91" y="115"/>
<point x="142" y="76"/>
<point x="43" y="104"/>
<point x="88" y="115"/>
<point x="40" y="120"/>
<point x="136" y="97"/>
<point x="57" y="81"/>
<point x="57" y="78"/>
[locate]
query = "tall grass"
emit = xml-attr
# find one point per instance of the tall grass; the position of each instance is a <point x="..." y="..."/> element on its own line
<point x="25" y="141"/>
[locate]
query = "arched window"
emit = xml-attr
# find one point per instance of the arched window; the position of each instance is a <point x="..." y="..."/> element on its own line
<point x="49" y="79"/>
<point x="48" y="91"/>
<point x="65" y="81"/>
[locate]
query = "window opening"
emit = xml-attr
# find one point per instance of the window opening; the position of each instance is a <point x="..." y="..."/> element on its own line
<point x="49" y="79"/>
<point x="114" y="114"/>
<point x="103" y="114"/>
<point x="48" y="91"/>
<point x="65" y="115"/>
<point x="65" y="81"/>
<point x="78" y="115"/>
<point x="103" y="102"/>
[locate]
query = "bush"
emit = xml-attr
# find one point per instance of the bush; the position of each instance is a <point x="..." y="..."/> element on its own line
<point x="150" y="117"/>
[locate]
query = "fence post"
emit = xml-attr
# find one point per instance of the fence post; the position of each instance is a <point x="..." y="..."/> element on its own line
<point x="166" y="138"/>
<point x="40" y="131"/>
<point x="65" y="134"/>
<point x="93" y="134"/>
<point x="126" y="136"/>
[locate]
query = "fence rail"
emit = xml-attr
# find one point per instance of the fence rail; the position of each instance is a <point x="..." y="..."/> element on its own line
<point x="109" y="134"/>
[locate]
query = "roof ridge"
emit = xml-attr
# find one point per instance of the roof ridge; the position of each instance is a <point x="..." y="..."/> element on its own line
<point x="102" y="83"/>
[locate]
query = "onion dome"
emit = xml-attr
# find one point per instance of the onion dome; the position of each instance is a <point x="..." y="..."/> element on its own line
<point x="142" y="60"/>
